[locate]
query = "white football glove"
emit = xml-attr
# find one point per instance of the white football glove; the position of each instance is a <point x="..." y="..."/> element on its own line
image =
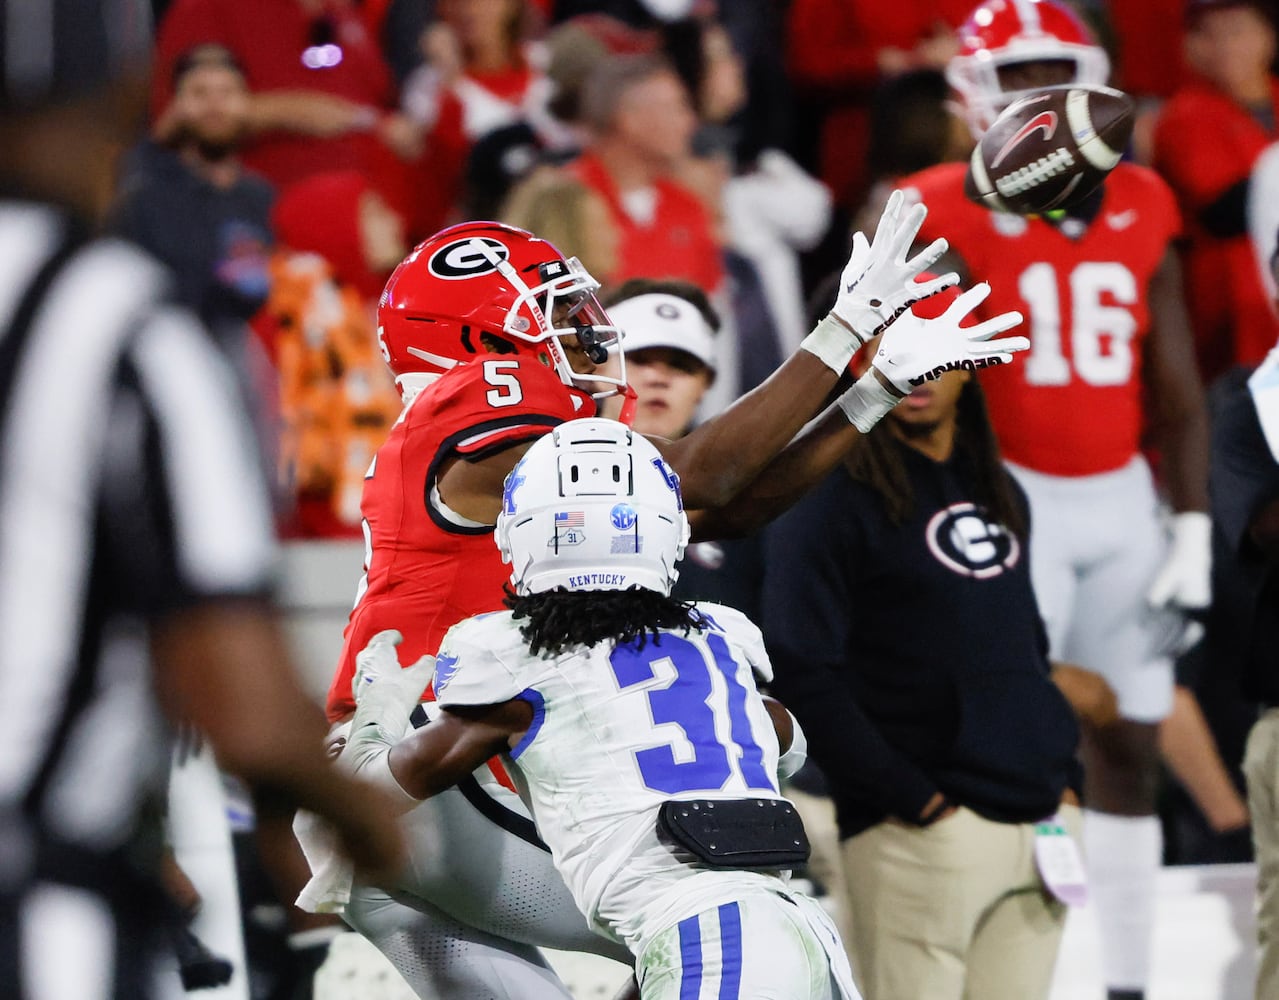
<point x="915" y="350"/>
<point x="877" y="284"/>
<point x="1185" y="579"/>
<point x="385" y="696"/>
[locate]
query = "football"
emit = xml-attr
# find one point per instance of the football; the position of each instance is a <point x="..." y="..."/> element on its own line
<point x="1050" y="150"/>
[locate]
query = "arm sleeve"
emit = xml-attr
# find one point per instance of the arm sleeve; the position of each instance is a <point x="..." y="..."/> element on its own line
<point x="744" y="633"/>
<point x="497" y="402"/>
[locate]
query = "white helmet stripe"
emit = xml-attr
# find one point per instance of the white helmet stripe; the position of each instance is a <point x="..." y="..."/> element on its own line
<point x="435" y="359"/>
<point x="1028" y="11"/>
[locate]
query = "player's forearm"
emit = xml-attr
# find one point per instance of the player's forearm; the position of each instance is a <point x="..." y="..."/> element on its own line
<point x="1186" y="462"/>
<point x="427" y="767"/>
<point x="1180" y="417"/>
<point x="800" y="466"/>
<point x="718" y="459"/>
<point x="438" y="756"/>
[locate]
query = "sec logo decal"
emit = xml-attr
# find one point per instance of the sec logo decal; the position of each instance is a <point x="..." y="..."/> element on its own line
<point x="623" y="516"/>
<point x="463" y="259"/>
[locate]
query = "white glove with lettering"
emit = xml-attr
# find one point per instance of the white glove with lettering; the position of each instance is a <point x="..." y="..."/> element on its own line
<point x="1185" y="579"/>
<point x="385" y="696"/>
<point x="878" y="284"/>
<point x="915" y="350"/>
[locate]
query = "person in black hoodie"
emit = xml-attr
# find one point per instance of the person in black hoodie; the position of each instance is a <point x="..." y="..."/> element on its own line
<point x="906" y="639"/>
<point x="193" y="205"/>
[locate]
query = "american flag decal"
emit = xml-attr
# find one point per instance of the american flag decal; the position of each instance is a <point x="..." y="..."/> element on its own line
<point x="570" y="519"/>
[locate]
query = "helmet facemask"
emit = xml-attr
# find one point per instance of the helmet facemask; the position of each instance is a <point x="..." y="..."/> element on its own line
<point x="984" y="96"/>
<point x="1002" y="34"/>
<point x="592" y="506"/>
<point x="562" y="304"/>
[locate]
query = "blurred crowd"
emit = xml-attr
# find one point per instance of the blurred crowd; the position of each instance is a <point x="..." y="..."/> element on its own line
<point x="298" y="149"/>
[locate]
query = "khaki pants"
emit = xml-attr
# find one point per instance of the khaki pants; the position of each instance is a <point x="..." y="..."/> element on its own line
<point x="953" y="911"/>
<point x="825" y="863"/>
<point x="1261" y="769"/>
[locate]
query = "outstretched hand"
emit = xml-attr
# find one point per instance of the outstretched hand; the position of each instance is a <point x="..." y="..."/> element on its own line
<point x="878" y="283"/>
<point x="915" y="350"/>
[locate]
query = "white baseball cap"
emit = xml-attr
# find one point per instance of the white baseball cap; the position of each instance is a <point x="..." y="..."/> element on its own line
<point x="657" y="319"/>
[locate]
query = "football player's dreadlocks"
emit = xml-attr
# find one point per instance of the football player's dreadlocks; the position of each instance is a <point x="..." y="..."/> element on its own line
<point x="560" y="619"/>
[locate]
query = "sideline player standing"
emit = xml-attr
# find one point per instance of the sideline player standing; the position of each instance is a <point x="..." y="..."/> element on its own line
<point x="488" y="330"/>
<point x="1102" y="290"/>
<point x="631" y="724"/>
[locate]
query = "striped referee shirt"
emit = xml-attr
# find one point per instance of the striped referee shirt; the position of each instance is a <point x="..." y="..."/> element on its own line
<point x="130" y="487"/>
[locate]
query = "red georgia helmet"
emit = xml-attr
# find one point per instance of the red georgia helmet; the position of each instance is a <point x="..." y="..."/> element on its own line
<point x="1005" y="32"/>
<point x="481" y="288"/>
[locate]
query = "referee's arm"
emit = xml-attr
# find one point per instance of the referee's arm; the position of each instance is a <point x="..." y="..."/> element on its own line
<point x="202" y="551"/>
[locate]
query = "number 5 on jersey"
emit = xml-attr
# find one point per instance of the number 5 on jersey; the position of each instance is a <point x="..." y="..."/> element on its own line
<point x="506" y="389"/>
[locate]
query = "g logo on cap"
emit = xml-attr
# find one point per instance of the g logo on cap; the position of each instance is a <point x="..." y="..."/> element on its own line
<point x="460" y="259"/>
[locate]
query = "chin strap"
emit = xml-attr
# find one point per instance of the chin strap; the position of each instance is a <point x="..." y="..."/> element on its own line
<point x="630" y="398"/>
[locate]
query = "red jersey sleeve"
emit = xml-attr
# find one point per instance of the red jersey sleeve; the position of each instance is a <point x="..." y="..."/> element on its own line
<point x="1165" y="214"/>
<point x="485" y="406"/>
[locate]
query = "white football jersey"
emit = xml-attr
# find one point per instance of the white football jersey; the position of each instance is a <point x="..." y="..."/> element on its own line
<point x="616" y="732"/>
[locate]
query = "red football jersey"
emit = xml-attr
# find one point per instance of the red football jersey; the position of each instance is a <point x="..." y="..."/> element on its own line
<point x="423" y="573"/>
<point x="1071" y="405"/>
<point x="1205" y="145"/>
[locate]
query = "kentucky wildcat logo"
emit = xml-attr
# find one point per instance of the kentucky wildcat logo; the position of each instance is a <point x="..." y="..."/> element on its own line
<point x="445" y="668"/>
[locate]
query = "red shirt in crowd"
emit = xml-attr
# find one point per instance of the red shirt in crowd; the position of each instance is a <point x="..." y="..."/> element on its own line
<point x="677" y="243"/>
<point x="1205" y="145"/>
<point x="271" y="39"/>
<point x="833" y="51"/>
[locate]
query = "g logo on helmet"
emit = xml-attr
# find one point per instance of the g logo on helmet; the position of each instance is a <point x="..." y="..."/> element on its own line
<point x="462" y="259"/>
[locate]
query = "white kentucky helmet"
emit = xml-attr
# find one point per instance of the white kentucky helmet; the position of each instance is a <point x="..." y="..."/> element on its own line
<point x="592" y="506"/>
